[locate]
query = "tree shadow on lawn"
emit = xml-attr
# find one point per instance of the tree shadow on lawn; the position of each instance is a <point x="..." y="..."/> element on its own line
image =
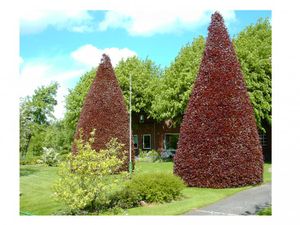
<point x="27" y="171"/>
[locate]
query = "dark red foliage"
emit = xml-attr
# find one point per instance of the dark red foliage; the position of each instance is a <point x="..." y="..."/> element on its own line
<point x="219" y="145"/>
<point x="104" y="109"/>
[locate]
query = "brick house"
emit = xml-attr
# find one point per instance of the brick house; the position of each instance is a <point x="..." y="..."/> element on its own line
<point x="149" y="134"/>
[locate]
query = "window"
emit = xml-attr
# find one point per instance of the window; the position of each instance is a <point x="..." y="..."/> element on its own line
<point x="142" y="119"/>
<point x="170" y="142"/>
<point x="135" y="141"/>
<point x="147" y="141"/>
<point x="263" y="139"/>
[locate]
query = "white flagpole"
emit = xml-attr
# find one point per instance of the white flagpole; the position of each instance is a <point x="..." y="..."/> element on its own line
<point x="130" y="129"/>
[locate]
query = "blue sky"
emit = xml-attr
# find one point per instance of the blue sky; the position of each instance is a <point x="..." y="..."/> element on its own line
<point x="63" y="45"/>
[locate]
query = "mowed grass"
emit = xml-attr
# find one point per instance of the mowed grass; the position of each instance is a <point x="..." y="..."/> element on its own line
<point x="37" y="195"/>
<point x="36" y="190"/>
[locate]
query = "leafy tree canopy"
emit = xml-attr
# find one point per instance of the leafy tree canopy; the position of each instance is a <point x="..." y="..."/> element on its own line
<point x="254" y="50"/>
<point x="177" y="83"/>
<point x="145" y="79"/>
<point x="36" y="112"/>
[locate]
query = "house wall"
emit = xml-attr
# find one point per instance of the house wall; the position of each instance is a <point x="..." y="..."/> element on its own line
<point x="149" y="126"/>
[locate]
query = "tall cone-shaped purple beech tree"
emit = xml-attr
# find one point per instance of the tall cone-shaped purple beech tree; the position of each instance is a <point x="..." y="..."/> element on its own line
<point x="105" y="111"/>
<point x="219" y="144"/>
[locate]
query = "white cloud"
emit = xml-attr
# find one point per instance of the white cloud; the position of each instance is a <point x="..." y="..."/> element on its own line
<point x="37" y="21"/>
<point x="159" y="20"/>
<point x="59" y="109"/>
<point x="90" y="55"/>
<point x="34" y="74"/>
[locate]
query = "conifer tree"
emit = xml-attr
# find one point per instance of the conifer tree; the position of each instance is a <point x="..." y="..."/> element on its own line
<point x="219" y="145"/>
<point x="105" y="111"/>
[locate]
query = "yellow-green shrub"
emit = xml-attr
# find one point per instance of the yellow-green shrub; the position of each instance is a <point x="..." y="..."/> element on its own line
<point x="88" y="178"/>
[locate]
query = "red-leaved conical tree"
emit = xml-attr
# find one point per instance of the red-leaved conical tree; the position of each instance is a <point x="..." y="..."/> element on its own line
<point x="105" y="111"/>
<point x="219" y="144"/>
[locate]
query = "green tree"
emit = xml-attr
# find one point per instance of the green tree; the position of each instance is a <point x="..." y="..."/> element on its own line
<point x="177" y="83"/>
<point x="58" y="136"/>
<point x="254" y="50"/>
<point x="145" y="80"/>
<point x="36" y="112"/>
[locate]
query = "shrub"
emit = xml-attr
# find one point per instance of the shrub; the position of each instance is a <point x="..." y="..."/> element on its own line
<point x="149" y="187"/>
<point x="218" y="144"/>
<point x="87" y="178"/>
<point x="31" y="160"/>
<point x="50" y="156"/>
<point x="149" y="156"/>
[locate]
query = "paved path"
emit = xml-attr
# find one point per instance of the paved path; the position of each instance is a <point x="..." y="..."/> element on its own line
<point x="247" y="202"/>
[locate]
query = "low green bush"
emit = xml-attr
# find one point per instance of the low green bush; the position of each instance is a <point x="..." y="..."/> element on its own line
<point x="150" y="188"/>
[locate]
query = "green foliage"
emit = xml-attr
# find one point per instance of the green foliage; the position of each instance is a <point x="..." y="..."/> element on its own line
<point x="36" y="112"/>
<point x="254" y="50"/>
<point x="31" y="160"/>
<point x="145" y="79"/>
<point x="265" y="212"/>
<point x="50" y="156"/>
<point x="58" y="136"/>
<point x="177" y="83"/>
<point x="150" y="187"/>
<point x="36" y="144"/>
<point x="88" y="178"/>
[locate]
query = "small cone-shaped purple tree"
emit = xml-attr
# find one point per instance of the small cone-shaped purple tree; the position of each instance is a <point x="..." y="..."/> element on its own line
<point x="105" y="111"/>
<point x="219" y="144"/>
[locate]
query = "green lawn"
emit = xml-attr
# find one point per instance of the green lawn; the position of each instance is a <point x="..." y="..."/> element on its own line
<point x="265" y="212"/>
<point x="35" y="186"/>
<point x="36" y="198"/>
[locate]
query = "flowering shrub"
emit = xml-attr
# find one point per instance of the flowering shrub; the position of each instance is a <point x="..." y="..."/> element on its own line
<point x="86" y="179"/>
<point x="50" y="156"/>
<point x="104" y="109"/>
<point x="219" y="145"/>
<point x="149" y="156"/>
